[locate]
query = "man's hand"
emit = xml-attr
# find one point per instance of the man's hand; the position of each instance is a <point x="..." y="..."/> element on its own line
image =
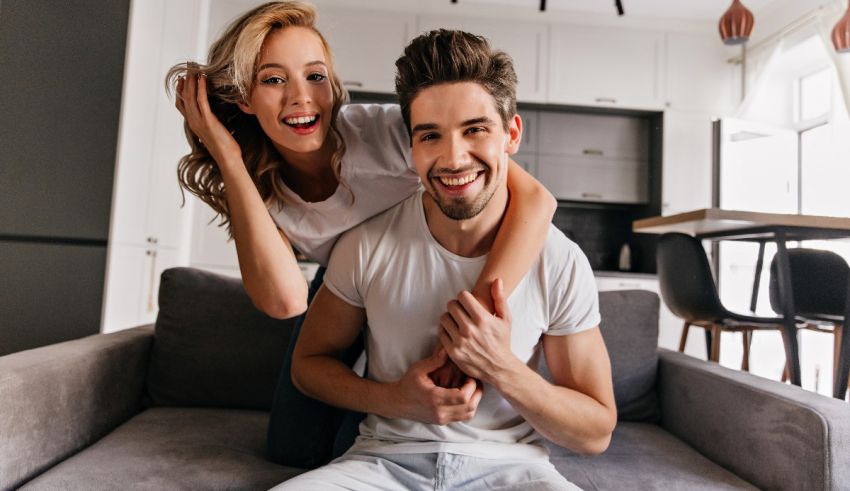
<point x="479" y="342"/>
<point x="419" y="399"/>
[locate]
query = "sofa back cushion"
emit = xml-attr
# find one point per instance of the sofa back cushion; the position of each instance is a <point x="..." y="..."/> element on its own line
<point x="211" y="346"/>
<point x="630" y="329"/>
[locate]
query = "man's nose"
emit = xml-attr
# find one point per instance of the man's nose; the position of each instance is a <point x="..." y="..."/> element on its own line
<point x="456" y="152"/>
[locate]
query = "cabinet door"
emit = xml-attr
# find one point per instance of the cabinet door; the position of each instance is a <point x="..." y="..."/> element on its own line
<point x="599" y="66"/>
<point x="366" y="45"/>
<point x="593" y="179"/>
<point x="530" y="126"/>
<point x="608" y="136"/>
<point x="698" y="76"/>
<point x="210" y="245"/>
<point x="156" y="260"/>
<point x="123" y="296"/>
<point x="528" y="161"/>
<point x="686" y="173"/>
<point x="526" y="43"/>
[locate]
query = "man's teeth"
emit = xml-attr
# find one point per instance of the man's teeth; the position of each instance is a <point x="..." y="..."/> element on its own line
<point x="300" y="120"/>
<point x="458" y="181"/>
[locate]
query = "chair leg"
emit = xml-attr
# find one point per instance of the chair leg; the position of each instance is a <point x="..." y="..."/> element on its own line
<point x="837" y="333"/>
<point x="715" y="343"/>
<point x="745" y="360"/>
<point x="684" y="338"/>
<point x="841" y="380"/>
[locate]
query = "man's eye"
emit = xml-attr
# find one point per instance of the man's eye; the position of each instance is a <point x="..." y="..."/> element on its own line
<point x="475" y="129"/>
<point x="428" y="137"/>
<point x="317" y="77"/>
<point x="273" y="80"/>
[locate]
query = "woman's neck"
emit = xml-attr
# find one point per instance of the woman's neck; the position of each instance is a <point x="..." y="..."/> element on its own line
<point x="310" y="175"/>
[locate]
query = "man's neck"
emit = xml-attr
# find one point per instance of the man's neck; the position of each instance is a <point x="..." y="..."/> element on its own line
<point x="467" y="238"/>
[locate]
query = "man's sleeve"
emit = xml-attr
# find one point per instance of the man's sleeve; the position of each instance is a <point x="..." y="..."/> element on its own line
<point x="344" y="275"/>
<point x="574" y="299"/>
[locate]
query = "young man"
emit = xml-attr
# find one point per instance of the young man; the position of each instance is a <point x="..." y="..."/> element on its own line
<point x="458" y="100"/>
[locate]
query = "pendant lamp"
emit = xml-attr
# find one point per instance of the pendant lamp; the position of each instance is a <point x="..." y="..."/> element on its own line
<point x="841" y="33"/>
<point x="736" y="24"/>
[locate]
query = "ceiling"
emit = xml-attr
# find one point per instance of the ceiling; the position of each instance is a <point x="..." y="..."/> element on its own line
<point x="693" y="10"/>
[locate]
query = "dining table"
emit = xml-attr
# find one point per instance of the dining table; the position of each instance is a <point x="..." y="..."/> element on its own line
<point x="717" y="224"/>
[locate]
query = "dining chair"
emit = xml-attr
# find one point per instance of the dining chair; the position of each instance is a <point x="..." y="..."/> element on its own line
<point x="820" y="281"/>
<point x="689" y="291"/>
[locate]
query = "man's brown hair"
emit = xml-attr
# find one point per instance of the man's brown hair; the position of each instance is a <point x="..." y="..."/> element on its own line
<point x="446" y="56"/>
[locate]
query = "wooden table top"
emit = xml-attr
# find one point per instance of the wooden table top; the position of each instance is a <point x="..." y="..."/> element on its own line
<point x="716" y="222"/>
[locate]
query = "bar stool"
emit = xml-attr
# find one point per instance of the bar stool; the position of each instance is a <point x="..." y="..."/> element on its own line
<point x="687" y="287"/>
<point x="820" y="287"/>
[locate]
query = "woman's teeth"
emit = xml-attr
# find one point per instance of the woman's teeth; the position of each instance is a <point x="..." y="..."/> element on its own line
<point x="457" y="181"/>
<point x="300" y="120"/>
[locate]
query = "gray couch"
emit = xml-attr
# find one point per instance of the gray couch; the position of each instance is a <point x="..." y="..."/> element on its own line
<point x="185" y="405"/>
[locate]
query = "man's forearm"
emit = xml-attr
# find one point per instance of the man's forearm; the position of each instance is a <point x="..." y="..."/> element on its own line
<point x="566" y="417"/>
<point x="329" y="380"/>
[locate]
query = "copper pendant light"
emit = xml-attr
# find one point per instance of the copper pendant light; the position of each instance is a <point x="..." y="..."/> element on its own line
<point x="841" y="33"/>
<point x="736" y="24"/>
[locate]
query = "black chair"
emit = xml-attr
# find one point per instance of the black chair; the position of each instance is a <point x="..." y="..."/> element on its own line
<point x="688" y="288"/>
<point x="819" y="286"/>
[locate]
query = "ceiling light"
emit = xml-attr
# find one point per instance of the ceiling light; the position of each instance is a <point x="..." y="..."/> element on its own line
<point x="736" y="24"/>
<point x="841" y="33"/>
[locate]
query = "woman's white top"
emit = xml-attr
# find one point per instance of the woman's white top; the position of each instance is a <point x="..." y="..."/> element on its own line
<point x="377" y="168"/>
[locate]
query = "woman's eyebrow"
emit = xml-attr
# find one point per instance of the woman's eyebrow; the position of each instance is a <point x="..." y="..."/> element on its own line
<point x="278" y="65"/>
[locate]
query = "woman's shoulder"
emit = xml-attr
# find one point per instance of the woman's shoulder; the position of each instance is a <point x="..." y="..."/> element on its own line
<point x="375" y="132"/>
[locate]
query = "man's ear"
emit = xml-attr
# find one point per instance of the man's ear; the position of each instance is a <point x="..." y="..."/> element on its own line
<point x="514" y="135"/>
<point x="245" y="108"/>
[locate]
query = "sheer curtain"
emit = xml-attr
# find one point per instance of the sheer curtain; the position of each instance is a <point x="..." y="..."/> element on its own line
<point x="827" y="17"/>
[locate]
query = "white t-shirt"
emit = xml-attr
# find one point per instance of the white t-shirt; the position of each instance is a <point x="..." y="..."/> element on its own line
<point x="377" y="168"/>
<point x="393" y="267"/>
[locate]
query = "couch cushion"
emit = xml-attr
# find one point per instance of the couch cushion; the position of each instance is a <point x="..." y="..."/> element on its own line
<point x="644" y="456"/>
<point x="212" y="347"/>
<point x="174" y="448"/>
<point x="630" y="329"/>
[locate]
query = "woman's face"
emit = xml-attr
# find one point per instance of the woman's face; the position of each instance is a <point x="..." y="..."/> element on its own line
<point x="292" y="96"/>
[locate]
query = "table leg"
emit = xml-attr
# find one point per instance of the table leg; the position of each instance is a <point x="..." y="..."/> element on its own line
<point x="789" y="332"/>
<point x="842" y="371"/>
<point x="757" y="280"/>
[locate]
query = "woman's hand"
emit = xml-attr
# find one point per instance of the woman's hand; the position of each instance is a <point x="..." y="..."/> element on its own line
<point x="193" y="104"/>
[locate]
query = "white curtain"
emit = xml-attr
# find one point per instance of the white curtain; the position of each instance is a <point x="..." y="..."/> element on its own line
<point x="827" y="17"/>
<point x="758" y="69"/>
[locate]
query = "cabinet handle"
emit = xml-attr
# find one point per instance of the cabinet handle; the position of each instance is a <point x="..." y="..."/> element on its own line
<point x="151" y="305"/>
<point x="591" y="195"/>
<point x="609" y="100"/>
<point x="352" y="83"/>
<point x="593" y="151"/>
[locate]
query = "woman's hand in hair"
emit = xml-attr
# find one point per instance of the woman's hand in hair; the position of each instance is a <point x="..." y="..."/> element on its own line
<point x="193" y="104"/>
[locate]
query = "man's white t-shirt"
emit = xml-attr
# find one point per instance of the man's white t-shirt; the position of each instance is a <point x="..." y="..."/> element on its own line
<point x="393" y="267"/>
<point x="377" y="169"/>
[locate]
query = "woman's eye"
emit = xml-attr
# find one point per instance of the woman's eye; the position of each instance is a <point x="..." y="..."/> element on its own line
<point x="273" y="80"/>
<point x="316" y="77"/>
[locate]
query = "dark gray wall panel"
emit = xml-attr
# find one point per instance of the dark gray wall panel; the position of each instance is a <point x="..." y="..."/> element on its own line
<point x="51" y="293"/>
<point x="62" y="68"/>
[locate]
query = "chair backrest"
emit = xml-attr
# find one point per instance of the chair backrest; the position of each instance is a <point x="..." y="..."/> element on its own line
<point x="819" y="282"/>
<point x="685" y="280"/>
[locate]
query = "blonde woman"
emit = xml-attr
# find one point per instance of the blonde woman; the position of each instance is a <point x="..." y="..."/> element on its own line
<point x="284" y="161"/>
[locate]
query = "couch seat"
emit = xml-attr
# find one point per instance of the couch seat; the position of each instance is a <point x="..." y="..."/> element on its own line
<point x="174" y="448"/>
<point x="645" y="457"/>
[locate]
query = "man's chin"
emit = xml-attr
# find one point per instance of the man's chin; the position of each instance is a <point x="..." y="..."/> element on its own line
<point x="458" y="210"/>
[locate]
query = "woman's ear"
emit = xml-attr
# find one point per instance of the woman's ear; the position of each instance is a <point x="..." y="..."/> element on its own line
<point x="245" y="108"/>
<point x="514" y="135"/>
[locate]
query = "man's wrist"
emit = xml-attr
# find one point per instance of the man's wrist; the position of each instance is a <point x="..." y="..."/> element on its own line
<point x="508" y="375"/>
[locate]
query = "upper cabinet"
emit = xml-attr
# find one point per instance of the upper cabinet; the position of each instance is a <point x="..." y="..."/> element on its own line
<point x="525" y="43"/>
<point x="365" y="45"/>
<point x="698" y="75"/>
<point x="602" y="66"/>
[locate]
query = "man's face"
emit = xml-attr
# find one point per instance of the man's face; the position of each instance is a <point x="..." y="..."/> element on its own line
<point x="460" y="147"/>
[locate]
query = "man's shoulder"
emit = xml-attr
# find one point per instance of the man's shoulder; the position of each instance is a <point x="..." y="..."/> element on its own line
<point x="559" y="249"/>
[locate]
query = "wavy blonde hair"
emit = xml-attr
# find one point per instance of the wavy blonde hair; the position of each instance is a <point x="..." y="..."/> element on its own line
<point x="230" y="73"/>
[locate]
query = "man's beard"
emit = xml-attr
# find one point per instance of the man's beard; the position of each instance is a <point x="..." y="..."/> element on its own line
<point x="459" y="209"/>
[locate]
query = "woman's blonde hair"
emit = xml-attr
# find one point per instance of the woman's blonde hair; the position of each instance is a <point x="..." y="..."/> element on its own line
<point x="230" y="72"/>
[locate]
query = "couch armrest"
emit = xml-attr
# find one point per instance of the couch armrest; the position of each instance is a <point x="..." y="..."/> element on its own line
<point x="774" y="435"/>
<point x="58" y="399"/>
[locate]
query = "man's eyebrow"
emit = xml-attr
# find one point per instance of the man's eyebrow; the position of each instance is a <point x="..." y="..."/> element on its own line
<point x="424" y="127"/>
<point x="278" y="65"/>
<point x="481" y="120"/>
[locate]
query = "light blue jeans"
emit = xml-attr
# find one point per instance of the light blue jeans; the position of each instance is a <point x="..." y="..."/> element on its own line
<point x="358" y="471"/>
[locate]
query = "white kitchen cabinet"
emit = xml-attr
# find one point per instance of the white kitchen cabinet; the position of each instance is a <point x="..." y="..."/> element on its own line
<point x="686" y="170"/>
<point x="698" y="74"/>
<point x="147" y="220"/>
<point x="593" y="179"/>
<point x="530" y="131"/>
<point x="603" y="66"/>
<point x="669" y="326"/>
<point x="526" y="44"/>
<point x="593" y="135"/>
<point x="366" y="44"/>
